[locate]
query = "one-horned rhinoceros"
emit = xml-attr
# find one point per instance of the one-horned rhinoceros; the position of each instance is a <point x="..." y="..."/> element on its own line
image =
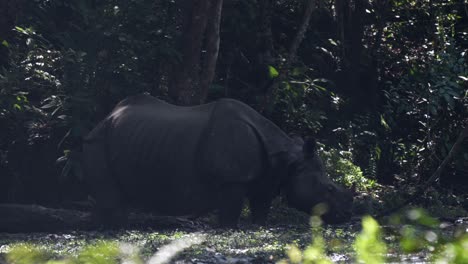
<point x="178" y="160"/>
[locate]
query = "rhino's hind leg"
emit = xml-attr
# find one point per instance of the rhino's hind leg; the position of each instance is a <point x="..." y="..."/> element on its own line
<point x="108" y="210"/>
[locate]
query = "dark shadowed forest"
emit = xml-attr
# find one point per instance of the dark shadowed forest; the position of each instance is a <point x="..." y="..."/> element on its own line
<point x="380" y="85"/>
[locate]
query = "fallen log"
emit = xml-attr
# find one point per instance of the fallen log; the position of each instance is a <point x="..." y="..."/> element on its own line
<point x="15" y="218"/>
<point x="36" y="218"/>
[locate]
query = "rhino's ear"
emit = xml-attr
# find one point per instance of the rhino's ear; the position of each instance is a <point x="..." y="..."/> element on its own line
<point x="309" y="147"/>
<point x="297" y="140"/>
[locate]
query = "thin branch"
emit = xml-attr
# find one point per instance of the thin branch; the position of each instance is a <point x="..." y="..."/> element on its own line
<point x="453" y="151"/>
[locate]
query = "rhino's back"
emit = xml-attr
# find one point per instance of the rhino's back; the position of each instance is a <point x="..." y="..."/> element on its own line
<point x="153" y="149"/>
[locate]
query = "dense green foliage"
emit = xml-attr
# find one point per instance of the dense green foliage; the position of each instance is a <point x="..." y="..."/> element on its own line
<point x="382" y="84"/>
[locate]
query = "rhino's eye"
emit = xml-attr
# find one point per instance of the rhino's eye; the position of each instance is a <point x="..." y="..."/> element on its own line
<point x="330" y="188"/>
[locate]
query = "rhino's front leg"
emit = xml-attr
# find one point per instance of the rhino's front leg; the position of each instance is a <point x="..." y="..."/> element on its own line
<point x="260" y="210"/>
<point x="260" y="203"/>
<point x="230" y="204"/>
<point x="108" y="209"/>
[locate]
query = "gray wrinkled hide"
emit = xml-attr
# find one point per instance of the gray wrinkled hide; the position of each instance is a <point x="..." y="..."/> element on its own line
<point x="183" y="160"/>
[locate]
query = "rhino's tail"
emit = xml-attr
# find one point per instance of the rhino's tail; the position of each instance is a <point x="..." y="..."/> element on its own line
<point x="72" y="172"/>
<point x="73" y="167"/>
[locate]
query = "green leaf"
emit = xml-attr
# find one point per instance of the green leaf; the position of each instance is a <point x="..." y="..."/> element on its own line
<point x="272" y="72"/>
<point x="384" y="123"/>
<point x="5" y="43"/>
<point x="378" y="152"/>
<point x="454" y="252"/>
<point x="421" y="217"/>
<point x="320" y="88"/>
<point x="21" y="30"/>
<point x="297" y="71"/>
<point x="294" y="254"/>
<point x="369" y="245"/>
<point x="410" y="241"/>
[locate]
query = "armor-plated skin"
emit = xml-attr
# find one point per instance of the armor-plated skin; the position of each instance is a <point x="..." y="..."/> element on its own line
<point x="178" y="160"/>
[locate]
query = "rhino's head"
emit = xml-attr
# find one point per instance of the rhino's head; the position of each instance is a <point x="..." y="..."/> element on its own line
<point x="309" y="185"/>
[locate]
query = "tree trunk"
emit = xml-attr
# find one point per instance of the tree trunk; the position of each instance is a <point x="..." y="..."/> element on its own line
<point x="321" y="4"/>
<point x="354" y="53"/>
<point x="266" y="105"/>
<point x="340" y="22"/>
<point x="356" y="77"/>
<point x="386" y="168"/>
<point x="186" y="78"/>
<point x="200" y="44"/>
<point x="264" y="34"/>
<point x="212" y="49"/>
<point x="310" y="8"/>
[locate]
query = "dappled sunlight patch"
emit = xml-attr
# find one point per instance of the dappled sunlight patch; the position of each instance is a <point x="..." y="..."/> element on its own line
<point x="168" y="252"/>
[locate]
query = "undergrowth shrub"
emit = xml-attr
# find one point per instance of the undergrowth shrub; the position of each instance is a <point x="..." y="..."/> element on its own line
<point x="340" y="168"/>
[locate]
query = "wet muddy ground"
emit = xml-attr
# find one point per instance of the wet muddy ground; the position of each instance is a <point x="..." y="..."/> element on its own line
<point x="199" y="241"/>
